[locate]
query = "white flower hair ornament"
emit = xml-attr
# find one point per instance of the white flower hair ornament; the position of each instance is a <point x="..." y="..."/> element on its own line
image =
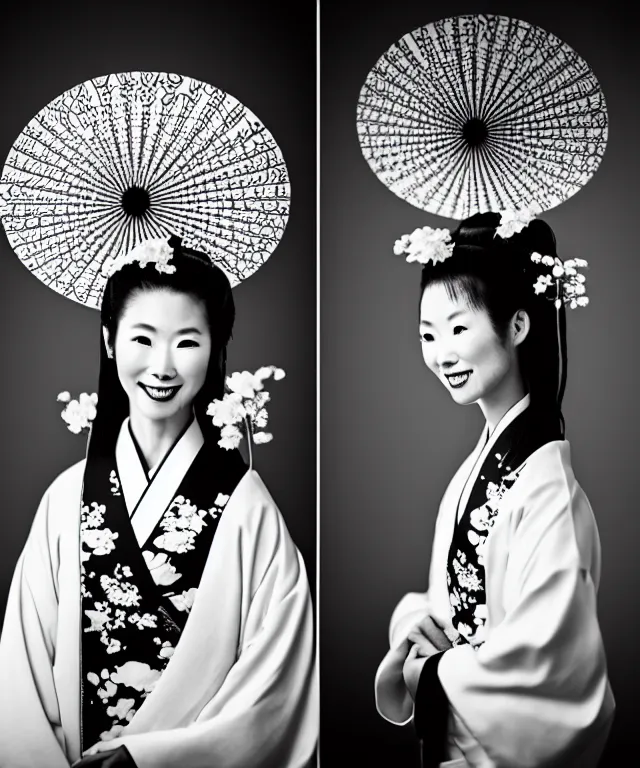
<point x="512" y="222"/>
<point x="424" y="245"/>
<point x="242" y="408"/>
<point x="154" y="251"/>
<point x="570" y="284"/>
<point x="78" y="413"/>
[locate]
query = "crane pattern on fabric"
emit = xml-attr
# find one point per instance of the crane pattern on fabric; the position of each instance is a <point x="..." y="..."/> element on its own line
<point x="465" y="564"/>
<point x="136" y="599"/>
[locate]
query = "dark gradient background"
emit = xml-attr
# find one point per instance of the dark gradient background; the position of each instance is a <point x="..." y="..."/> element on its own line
<point x="263" y="55"/>
<point x="391" y="437"/>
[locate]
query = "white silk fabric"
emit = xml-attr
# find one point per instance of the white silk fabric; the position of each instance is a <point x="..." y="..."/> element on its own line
<point x="241" y="688"/>
<point x="536" y="691"/>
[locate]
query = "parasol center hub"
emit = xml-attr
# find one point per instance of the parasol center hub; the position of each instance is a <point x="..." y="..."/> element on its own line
<point x="136" y="201"/>
<point x="475" y="132"/>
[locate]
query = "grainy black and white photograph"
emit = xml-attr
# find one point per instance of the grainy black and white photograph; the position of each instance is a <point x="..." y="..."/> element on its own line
<point x="478" y="249"/>
<point x="158" y="278"/>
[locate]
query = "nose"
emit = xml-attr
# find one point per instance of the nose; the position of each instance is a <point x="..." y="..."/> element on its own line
<point x="161" y="365"/>
<point x="445" y="357"/>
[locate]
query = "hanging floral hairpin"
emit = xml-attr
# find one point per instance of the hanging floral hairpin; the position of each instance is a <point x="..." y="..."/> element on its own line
<point x="570" y="284"/>
<point x="512" y="222"/>
<point x="424" y="245"/>
<point x="78" y="413"/>
<point x="155" y="251"/>
<point x="243" y="407"/>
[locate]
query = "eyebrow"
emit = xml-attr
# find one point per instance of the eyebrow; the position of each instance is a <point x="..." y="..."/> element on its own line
<point x="451" y="316"/>
<point x="181" y="332"/>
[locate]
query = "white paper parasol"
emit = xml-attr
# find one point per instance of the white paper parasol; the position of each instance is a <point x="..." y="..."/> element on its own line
<point x="478" y="113"/>
<point x="136" y="155"/>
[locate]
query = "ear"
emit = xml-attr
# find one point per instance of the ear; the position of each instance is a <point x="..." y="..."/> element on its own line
<point x="520" y="325"/>
<point x="108" y="347"/>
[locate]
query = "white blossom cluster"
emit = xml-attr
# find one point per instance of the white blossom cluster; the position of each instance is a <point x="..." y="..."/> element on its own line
<point x="565" y="275"/>
<point x="78" y="413"/>
<point x="512" y="222"/>
<point x="425" y="244"/>
<point x="154" y="251"/>
<point x="245" y="399"/>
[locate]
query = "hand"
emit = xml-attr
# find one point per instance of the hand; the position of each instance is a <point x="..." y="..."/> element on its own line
<point x="411" y="670"/>
<point x="428" y="637"/>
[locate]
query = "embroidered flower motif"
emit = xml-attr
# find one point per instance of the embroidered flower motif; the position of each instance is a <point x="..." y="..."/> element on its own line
<point x="121" y="709"/>
<point x="118" y="591"/>
<point x="98" y="618"/>
<point x="184" y="601"/>
<point x="146" y="620"/>
<point x="79" y="413"/>
<point x="167" y="650"/>
<point x="115" y="483"/>
<point x="108" y="691"/>
<point x="512" y="222"/>
<point x="136" y="674"/>
<point x="111" y="734"/>
<point x="155" y="251"/>
<point x="162" y="572"/>
<point x="467" y="576"/>
<point x="425" y="244"/>
<point x="221" y="500"/>
<point x="182" y="522"/>
<point x="100" y="541"/>
<point x="113" y="645"/>
<point x="93" y="678"/>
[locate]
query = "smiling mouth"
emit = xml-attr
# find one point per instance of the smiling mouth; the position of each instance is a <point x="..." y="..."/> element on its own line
<point x="457" y="380"/>
<point x="160" y="394"/>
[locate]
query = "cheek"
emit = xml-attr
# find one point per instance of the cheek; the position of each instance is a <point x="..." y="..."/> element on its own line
<point x="428" y="355"/>
<point x="196" y="367"/>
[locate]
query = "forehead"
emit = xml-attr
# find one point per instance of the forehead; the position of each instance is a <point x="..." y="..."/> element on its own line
<point x="165" y="310"/>
<point x="438" y="303"/>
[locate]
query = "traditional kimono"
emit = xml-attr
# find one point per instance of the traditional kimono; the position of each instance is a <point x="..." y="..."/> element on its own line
<point x="513" y="577"/>
<point x="167" y="611"/>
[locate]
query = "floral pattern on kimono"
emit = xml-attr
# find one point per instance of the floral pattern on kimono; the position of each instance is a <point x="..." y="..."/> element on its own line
<point x="465" y="565"/>
<point x="136" y="599"/>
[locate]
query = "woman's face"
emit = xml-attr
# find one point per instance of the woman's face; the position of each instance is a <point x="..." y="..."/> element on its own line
<point x="162" y="350"/>
<point x="460" y="345"/>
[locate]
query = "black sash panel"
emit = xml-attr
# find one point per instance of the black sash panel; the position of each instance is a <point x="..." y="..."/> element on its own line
<point x="529" y="431"/>
<point x="136" y="600"/>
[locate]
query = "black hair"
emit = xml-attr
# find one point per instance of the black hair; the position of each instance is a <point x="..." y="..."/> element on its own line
<point x="498" y="275"/>
<point x="196" y="275"/>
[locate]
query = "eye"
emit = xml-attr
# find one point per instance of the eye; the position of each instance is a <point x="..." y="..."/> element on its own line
<point x="458" y="329"/>
<point x="188" y="343"/>
<point x="426" y="336"/>
<point x="142" y="340"/>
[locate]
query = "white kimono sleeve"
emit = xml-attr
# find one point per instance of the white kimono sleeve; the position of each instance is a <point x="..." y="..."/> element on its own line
<point x="537" y="691"/>
<point x="393" y="700"/>
<point x="30" y="723"/>
<point x="264" y="713"/>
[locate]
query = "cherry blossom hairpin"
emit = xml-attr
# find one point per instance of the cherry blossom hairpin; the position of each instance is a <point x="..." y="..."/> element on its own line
<point x="78" y="413"/>
<point x="424" y="245"/>
<point x="242" y="409"/>
<point x="154" y="251"/>
<point x="564" y="275"/>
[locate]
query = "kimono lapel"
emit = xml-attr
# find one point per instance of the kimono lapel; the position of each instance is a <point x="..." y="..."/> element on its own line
<point x="521" y="432"/>
<point x="147" y="499"/>
<point x="486" y="444"/>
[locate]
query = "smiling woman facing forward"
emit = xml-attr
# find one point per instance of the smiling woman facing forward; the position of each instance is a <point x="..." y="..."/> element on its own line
<point x="159" y="615"/>
<point x="501" y="663"/>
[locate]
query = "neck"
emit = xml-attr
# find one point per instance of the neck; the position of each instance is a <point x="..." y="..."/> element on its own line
<point x="154" y="437"/>
<point x="501" y="400"/>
